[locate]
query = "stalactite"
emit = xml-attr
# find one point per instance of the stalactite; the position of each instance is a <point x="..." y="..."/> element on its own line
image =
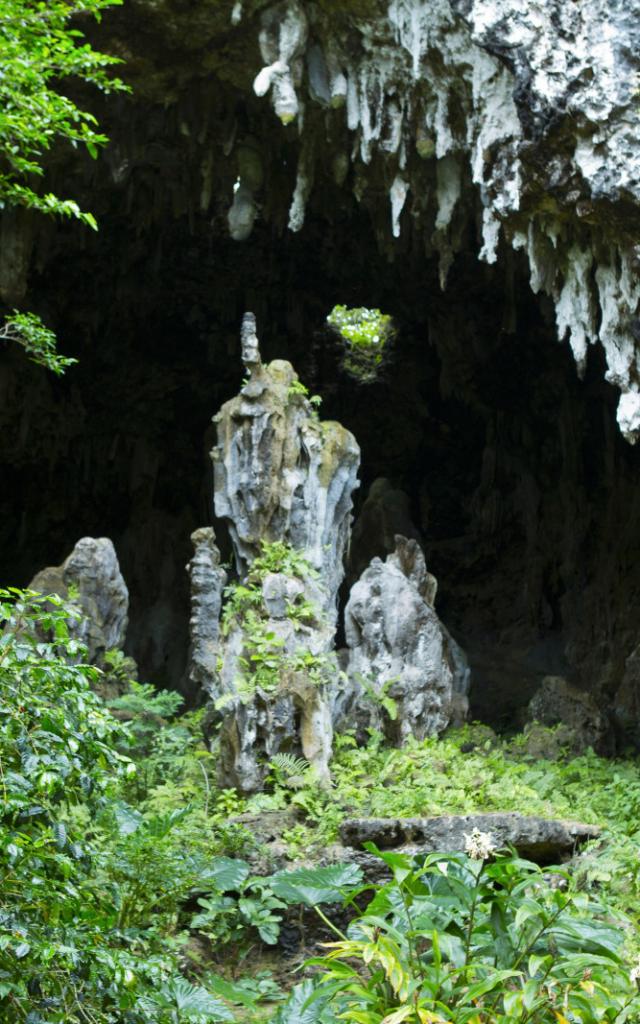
<point x="427" y="81"/>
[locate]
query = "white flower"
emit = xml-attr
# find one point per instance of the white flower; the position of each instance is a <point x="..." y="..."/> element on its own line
<point x="634" y="974"/>
<point x="479" y="845"/>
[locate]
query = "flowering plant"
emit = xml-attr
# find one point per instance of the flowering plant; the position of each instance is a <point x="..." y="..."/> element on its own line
<point x="471" y="938"/>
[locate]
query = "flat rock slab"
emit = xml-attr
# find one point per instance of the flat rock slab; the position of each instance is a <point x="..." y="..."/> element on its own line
<point x="537" y="839"/>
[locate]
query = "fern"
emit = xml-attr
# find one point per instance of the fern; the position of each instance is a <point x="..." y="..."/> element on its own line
<point x="381" y="695"/>
<point x="289" y="765"/>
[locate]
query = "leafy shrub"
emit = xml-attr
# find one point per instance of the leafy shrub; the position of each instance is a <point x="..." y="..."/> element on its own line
<point x="468" y="940"/>
<point x="90" y="888"/>
<point x="56" y="750"/>
<point x="42" y="48"/>
<point x="231" y="919"/>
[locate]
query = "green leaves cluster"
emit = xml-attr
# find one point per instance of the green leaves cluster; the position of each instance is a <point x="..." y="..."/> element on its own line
<point x="460" y="941"/>
<point x="57" y="751"/>
<point x="264" y="663"/>
<point x="91" y="888"/>
<point x="42" y="49"/>
<point x="366" y="334"/>
<point x="42" y="46"/>
<point x="28" y="330"/>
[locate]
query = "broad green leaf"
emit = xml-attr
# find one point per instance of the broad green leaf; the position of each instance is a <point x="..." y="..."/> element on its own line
<point x="304" y="1006"/>
<point x="128" y="819"/>
<point x="225" y="874"/>
<point x="316" y="885"/>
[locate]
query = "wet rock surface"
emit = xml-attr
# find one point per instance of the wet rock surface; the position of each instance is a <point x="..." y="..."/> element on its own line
<point x="92" y="570"/>
<point x="557" y="702"/>
<point x="398" y="648"/>
<point x="537" y="839"/>
<point x="281" y="474"/>
<point x="208" y="580"/>
<point x="281" y="477"/>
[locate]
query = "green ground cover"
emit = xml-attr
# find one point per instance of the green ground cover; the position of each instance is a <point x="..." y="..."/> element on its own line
<point x="128" y="889"/>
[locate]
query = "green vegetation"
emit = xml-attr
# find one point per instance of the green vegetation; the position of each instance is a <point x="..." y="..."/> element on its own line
<point x="463" y="939"/>
<point x="298" y="389"/>
<point x="366" y="334"/>
<point x="264" y="663"/>
<point x="129" y="891"/>
<point x="28" y="330"/>
<point x="41" y="47"/>
<point x="90" y="885"/>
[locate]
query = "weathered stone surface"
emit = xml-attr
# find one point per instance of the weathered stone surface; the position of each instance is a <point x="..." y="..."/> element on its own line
<point x="536" y="838"/>
<point x="626" y="706"/>
<point x="557" y="701"/>
<point x="282" y="474"/>
<point x="92" y="567"/>
<point x="399" y="648"/>
<point x="385" y="514"/>
<point x="208" y="580"/>
<point x="296" y="719"/>
<point x="290" y="714"/>
<point x="543" y="141"/>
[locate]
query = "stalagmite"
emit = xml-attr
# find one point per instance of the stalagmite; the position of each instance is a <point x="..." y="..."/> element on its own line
<point x="399" y="649"/>
<point x="283" y="483"/>
<point x="208" y="580"/>
<point x="281" y="473"/>
<point x="102" y="597"/>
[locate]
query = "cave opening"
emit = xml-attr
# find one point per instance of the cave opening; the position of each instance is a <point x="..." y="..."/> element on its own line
<point x="518" y="482"/>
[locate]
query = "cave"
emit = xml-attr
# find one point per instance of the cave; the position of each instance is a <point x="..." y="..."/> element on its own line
<point x="520" y="482"/>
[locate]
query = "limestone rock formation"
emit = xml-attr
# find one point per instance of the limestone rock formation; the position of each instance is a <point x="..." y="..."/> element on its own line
<point x="543" y="841"/>
<point x="385" y="513"/>
<point x="626" y="706"/>
<point x="295" y="719"/>
<point x="102" y="596"/>
<point x="558" y="702"/>
<point x="283" y="482"/>
<point x="208" y="580"/>
<point x="273" y="672"/>
<point x="526" y="113"/>
<point x="281" y="474"/>
<point x="398" y="648"/>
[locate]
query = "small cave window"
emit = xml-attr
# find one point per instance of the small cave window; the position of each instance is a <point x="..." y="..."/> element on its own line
<point x="366" y="335"/>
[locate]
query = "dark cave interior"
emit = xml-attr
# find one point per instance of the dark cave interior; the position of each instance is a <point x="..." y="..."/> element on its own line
<point x="519" y="482"/>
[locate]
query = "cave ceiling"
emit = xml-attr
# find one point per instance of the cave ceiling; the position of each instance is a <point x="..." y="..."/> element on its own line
<point x="286" y="157"/>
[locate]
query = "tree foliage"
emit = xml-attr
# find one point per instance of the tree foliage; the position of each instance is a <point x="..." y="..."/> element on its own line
<point x="42" y="49"/>
<point x="41" y="46"/>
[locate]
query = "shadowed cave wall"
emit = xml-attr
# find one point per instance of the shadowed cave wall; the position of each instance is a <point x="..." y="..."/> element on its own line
<point x="519" y="481"/>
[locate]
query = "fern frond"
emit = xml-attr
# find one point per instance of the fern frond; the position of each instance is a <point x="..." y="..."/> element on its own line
<point x="288" y="765"/>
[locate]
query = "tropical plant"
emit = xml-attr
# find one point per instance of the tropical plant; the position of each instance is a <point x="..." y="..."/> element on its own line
<point x="264" y="663"/>
<point x="57" y="750"/>
<point x="41" y="47"/>
<point x="28" y="330"/>
<point x="178" y="1001"/>
<point x="91" y="888"/>
<point x="474" y="938"/>
<point x="237" y="905"/>
<point x="299" y="390"/>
